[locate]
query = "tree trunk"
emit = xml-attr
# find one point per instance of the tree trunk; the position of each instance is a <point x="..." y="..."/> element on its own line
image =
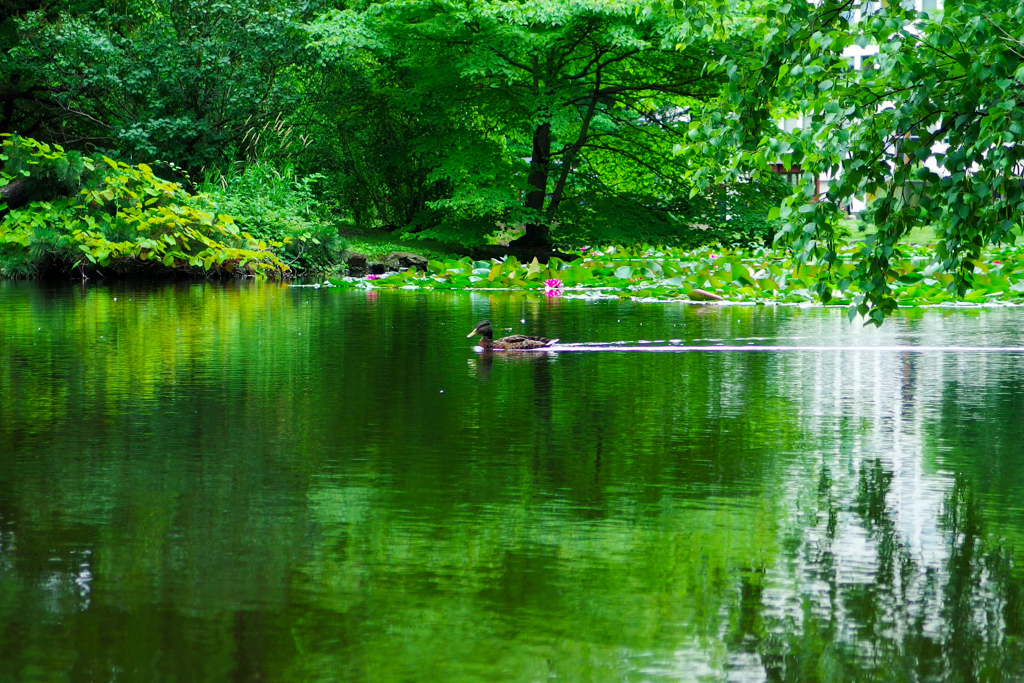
<point x="16" y="194"/>
<point x="537" y="234"/>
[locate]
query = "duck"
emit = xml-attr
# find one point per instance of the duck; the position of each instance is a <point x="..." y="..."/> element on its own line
<point x="513" y="342"/>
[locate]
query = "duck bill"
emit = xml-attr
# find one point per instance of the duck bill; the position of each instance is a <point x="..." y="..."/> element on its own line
<point x="473" y="334"/>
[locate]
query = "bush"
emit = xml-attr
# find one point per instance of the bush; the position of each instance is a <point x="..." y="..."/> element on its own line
<point x="94" y="212"/>
<point x="279" y="206"/>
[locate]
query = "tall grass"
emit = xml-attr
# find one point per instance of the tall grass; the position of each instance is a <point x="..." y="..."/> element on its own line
<point x="276" y="203"/>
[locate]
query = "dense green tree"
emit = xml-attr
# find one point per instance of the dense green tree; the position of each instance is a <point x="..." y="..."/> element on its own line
<point x="189" y="81"/>
<point x="21" y="98"/>
<point x="364" y="139"/>
<point x="539" y="114"/>
<point x="931" y="127"/>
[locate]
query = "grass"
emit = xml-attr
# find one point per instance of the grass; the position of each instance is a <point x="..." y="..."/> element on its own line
<point x="923" y="235"/>
<point x="376" y="245"/>
<point x="857" y="230"/>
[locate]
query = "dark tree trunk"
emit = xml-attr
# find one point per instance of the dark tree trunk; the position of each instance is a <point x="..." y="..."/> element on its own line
<point x="16" y="194"/>
<point x="536" y="236"/>
<point x="540" y="166"/>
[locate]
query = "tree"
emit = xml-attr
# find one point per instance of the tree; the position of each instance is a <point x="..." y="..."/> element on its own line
<point x="539" y="110"/>
<point x="365" y="138"/>
<point x="189" y="81"/>
<point x="931" y="126"/>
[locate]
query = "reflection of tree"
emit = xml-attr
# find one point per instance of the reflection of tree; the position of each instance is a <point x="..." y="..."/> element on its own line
<point x="889" y="617"/>
<point x="559" y="501"/>
<point x="980" y="427"/>
<point x="591" y="517"/>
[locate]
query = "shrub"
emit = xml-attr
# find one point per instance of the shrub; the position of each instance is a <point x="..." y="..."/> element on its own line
<point x="91" y="212"/>
<point x="279" y="206"/>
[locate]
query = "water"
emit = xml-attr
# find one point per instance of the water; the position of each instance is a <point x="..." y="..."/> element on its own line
<point x="256" y="483"/>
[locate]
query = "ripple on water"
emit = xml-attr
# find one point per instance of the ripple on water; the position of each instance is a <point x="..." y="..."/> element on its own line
<point x="321" y="484"/>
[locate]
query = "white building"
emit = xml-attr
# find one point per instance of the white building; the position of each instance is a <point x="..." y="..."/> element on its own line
<point x="857" y="57"/>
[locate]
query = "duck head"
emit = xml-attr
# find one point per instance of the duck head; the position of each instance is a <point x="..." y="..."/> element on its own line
<point x="483" y="328"/>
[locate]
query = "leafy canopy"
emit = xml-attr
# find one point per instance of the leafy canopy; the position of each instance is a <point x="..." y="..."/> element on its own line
<point x="188" y="81"/>
<point x="928" y="128"/>
<point x="547" y="114"/>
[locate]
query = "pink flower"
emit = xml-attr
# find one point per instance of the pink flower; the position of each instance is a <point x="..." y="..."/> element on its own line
<point x="998" y="263"/>
<point x="553" y="287"/>
<point x="373" y="276"/>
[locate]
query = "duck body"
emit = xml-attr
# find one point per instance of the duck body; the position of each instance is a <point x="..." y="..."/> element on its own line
<point x="517" y="342"/>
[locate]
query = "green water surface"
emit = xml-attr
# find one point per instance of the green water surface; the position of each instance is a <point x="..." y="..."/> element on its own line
<point x="209" y="482"/>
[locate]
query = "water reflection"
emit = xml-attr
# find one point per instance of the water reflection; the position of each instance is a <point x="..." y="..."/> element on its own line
<point x="484" y="361"/>
<point x="895" y="616"/>
<point x="259" y="483"/>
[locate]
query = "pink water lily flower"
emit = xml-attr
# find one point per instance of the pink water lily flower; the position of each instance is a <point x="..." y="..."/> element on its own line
<point x="373" y="276"/>
<point x="553" y="287"/>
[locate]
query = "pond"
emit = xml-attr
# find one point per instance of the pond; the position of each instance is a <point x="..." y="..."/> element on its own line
<point x="250" y="482"/>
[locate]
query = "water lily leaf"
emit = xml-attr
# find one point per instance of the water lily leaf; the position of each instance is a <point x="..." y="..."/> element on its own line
<point x="738" y="272"/>
<point x="581" y="274"/>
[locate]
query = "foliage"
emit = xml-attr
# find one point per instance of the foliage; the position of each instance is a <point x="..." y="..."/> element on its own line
<point x="532" y="113"/>
<point x="368" y="143"/>
<point x="758" y="275"/>
<point x="930" y="126"/>
<point x="378" y="249"/>
<point x="178" y="80"/>
<point x="731" y="214"/>
<point x="279" y="206"/>
<point x="124" y="217"/>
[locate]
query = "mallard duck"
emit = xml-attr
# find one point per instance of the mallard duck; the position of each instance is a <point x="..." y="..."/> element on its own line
<point x="516" y="341"/>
